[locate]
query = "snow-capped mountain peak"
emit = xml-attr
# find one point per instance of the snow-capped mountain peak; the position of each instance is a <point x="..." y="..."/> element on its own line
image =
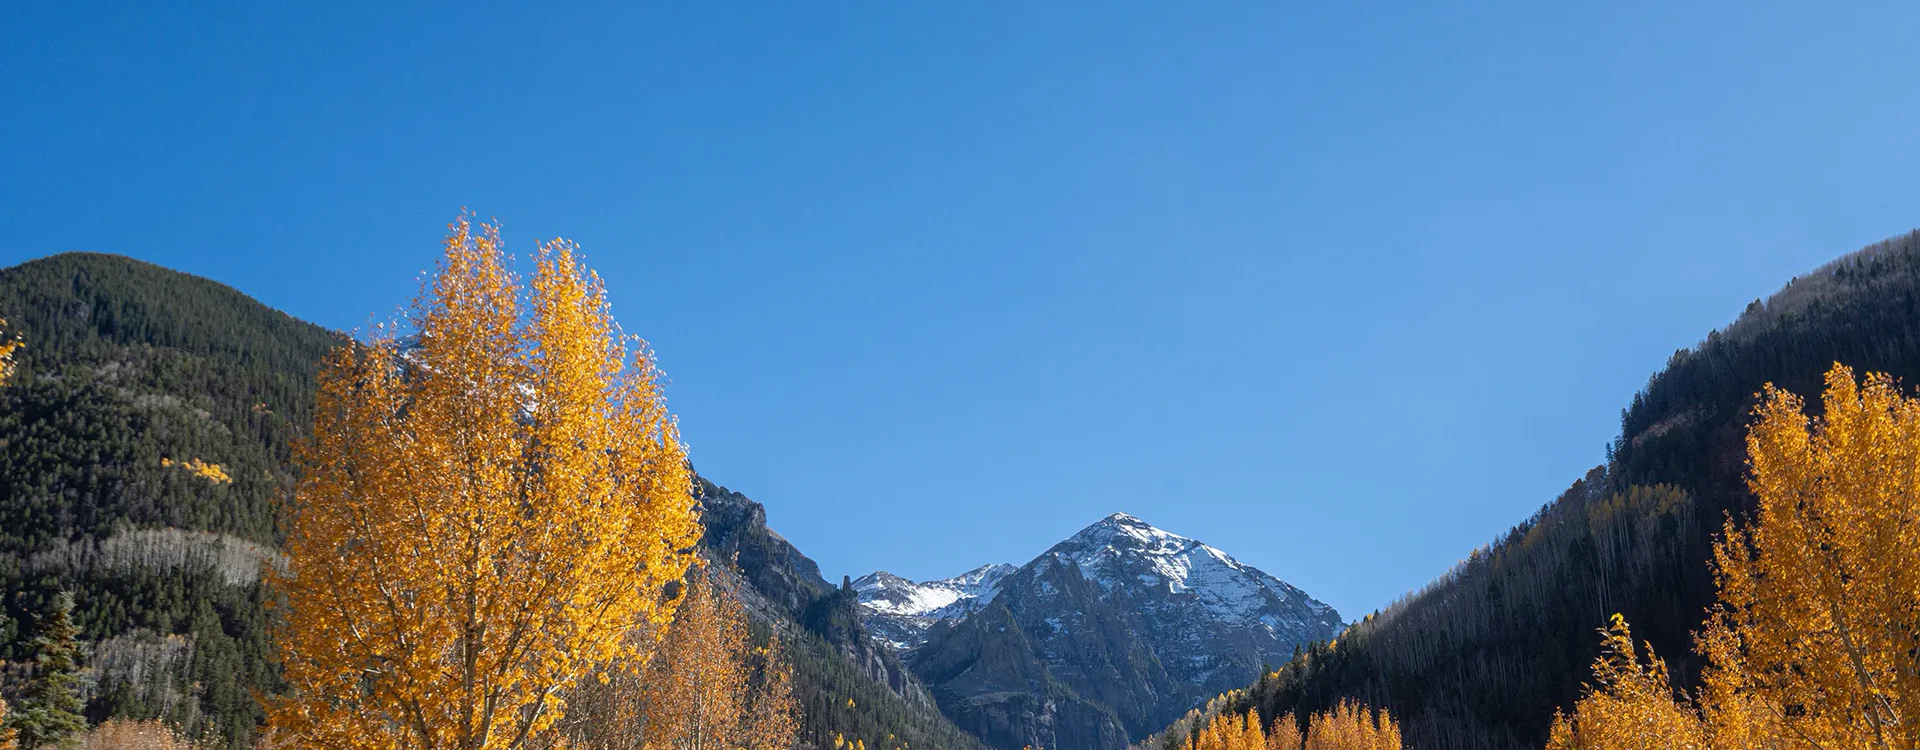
<point x="1177" y="621"/>
<point x="1121" y="549"/>
<point x="901" y="610"/>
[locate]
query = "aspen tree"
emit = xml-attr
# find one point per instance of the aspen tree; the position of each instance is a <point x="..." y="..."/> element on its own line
<point x="1812" y="643"/>
<point x="1631" y="704"/>
<point x="1820" y="598"/>
<point x="709" y="688"/>
<point x="1251" y="736"/>
<point x="7" y="347"/>
<point x="488" y="509"/>
<point x="8" y="737"/>
<point x="1285" y="734"/>
<point x="1352" y="726"/>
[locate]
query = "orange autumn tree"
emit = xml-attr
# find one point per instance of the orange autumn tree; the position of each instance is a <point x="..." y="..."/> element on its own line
<point x="7" y="347"/>
<point x="1813" y="642"/>
<point x="1285" y="734"/>
<point x="489" y="509"/>
<point x="1631" y="704"/>
<point x="1347" y="726"/>
<point x="1353" y="726"/>
<point x="711" y="688"/>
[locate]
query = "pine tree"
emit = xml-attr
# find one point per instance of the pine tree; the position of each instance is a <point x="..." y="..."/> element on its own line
<point x="48" y="714"/>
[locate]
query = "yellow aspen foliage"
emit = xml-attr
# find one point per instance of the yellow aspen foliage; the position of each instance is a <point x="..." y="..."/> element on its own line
<point x="1352" y="726"/>
<point x="214" y="473"/>
<point x="9" y="739"/>
<point x="1348" y="726"/>
<point x="1250" y="735"/>
<point x="490" y="509"/>
<point x="1819" y="597"/>
<point x="1630" y="705"/>
<point x="710" y="688"/>
<point x="1285" y="734"/>
<point x="1812" y="642"/>
<point x="7" y="348"/>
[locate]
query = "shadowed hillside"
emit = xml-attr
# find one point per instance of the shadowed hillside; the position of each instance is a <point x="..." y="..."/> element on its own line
<point x="1483" y="656"/>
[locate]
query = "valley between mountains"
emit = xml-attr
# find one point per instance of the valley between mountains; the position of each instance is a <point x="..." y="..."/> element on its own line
<point x="147" y="452"/>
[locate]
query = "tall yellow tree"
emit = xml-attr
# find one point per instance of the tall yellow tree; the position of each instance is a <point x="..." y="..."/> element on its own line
<point x="711" y="688"/>
<point x="1285" y="734"/>
<point x="1820" y="599"/>
<point x="1813" y="642"/>
<point x="489" y="508"/>
<point x="1631" y="704"/>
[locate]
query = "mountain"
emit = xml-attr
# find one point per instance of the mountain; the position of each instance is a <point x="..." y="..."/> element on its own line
<point x="1106" y="636"/>
<point x="900" y="611"/>
<point x="1484" y="655"/>
<point x="837" y="663"/>
<point x="133" y="374"/>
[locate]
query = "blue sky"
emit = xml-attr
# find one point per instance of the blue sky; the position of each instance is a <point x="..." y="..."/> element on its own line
<point x="1345" y="291"/>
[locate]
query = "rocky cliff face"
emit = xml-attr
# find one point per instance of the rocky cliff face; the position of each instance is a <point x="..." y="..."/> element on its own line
<point x="1105" y="637"/>
<point x="786" y="586"/>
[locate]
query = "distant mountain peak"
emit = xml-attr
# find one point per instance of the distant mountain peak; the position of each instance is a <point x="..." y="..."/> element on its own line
<point x="1177" y="620"/>
<point x="900" y="610"/>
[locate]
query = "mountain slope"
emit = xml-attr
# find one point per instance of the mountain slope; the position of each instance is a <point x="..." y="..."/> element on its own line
<point x="1106" y="636"/>
<point x="129" y="371"/>
<point x="835" y="659"/>
<point x="1482" y="657"/>
<point x="132" y="372"/>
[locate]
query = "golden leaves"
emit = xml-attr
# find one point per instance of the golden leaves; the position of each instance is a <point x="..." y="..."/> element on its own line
<point x="7" y="347"/>
<point x="709" y="686"/>
<point x="488" y="509"/>
<point x="1630" y="705"/>
<point x="1346" y="726"/>
<point x="1812" y="642"/>
<point x="215" y="473"/>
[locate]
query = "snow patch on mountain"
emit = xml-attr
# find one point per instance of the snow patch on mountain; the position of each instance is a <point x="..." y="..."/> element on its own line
<point x="1121" y="548"/>
<point x="900" y="610"/>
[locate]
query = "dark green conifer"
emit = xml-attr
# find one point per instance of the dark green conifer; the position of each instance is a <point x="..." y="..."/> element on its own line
<point x="48" y="713"/>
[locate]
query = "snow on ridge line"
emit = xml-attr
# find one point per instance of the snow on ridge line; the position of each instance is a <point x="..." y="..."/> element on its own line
<point x="887" y="593"/>
<point x="1226" y="587"/>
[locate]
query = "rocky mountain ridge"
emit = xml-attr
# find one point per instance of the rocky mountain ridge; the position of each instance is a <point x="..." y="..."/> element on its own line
<point x="1106" y="636"/>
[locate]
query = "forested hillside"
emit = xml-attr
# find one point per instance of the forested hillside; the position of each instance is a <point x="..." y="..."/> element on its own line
<point x="131" y="377"/>
<point x="1483" y="656"/>
<point x="144" y="459"/>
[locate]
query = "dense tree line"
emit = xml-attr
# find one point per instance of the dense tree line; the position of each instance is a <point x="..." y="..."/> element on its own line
<point x="1485" y="655"/>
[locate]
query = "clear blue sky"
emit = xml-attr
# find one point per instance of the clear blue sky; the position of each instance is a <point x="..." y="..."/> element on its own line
<point x="1345" y="289"/>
